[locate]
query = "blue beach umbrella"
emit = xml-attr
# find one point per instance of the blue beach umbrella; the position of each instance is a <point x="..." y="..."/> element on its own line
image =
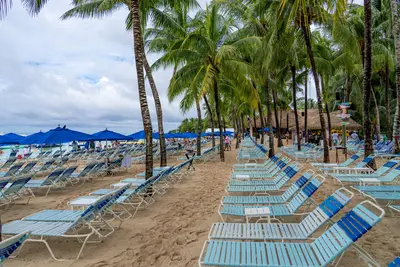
<point x="14" y="137"/>
<point x="32" y="139"/>
<point x="62" y="135"/>
<point x="4" y="140"/>
<point x="108" y="135"/>
<point x="138" y="135"/>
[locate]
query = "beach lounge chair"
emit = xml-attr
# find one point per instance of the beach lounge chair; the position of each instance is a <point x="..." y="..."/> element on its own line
<point x="266" y="164"/>
<point x="74" y="224"/>
<point x="10" y="245"/>
<point x="378" y="173"/>
<point x="83" y="174"/>
<point x="270" y="169"/>
<point x="284" y="231"/>
<point x="8" y="163"/>
<point x="46" y="166"/>
<point x="389" y="177"/>
<point x="360" y="167"/>
<point x="270" y="199"/>
<point x="11" y="192"/>
<point x="49" y="182"/>
<point x="12" y="170"/>
<point x="395" y="263"/>
<point x="323" y="250"/>
<point x="270" y="185"/>
<point x="276" y="169"/>
<point x="349" y="161"/>
<point x="27" y="168"/>
<point x="278" y="210"/>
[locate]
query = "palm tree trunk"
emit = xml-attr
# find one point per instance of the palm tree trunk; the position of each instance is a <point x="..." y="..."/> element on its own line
<point x="139" y="51"/>
<point x="261" y="121"/>
<point x="199" y="124"/>
<point x="218" y="113"/>
<point x="348" y="87"/>
<point x="157" y="103"/>
<point x="396" y="34"/>
<point x="377" y="115"/>
<point x="211" y="120"/>
<point x="255" y="124"/>
<point x="306" y="32"/>
<point x="327" y="114"/>
<point x="296" y="116"/>
<point x="269" y="118"/>
<point x="387" y="85"/>
<point x="278" y="127"/>
<point x="223" y="120"/>
<point x="306" y="109"/>
<point x="368" y="143"/>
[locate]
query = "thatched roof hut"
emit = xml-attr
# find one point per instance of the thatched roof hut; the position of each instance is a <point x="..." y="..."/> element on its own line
<point x="314" y="122"/>
<point x="286" y="119"/>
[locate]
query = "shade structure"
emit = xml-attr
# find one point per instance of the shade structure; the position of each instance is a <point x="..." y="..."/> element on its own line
<point x="108" y="135"/>
<point x="138" y="135"/>
<point x="217" y="133"/>
<point x="62" y="135"/>
<point x="4" y="140"/>
<point x="14" y="136"/>
<point x="32" y="139"/>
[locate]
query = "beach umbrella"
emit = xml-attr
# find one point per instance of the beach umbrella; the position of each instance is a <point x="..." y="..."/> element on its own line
<point x="108" y="135"/>
<point x="62" y="135"/>
<point x="4" y="140"/>
<point x="138" y="135"/>
<point x="32" y="139"/>
<point x="14" y="137"/>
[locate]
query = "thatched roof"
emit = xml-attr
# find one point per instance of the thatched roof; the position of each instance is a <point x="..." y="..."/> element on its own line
<point x="283" y="116"/>
<point x="314" y="122"/>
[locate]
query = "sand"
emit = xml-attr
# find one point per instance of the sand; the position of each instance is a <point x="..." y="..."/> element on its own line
<point x="172" y="231"/>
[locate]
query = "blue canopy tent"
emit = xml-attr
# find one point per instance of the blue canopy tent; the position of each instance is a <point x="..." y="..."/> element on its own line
<point x="138" y="135"/>
<point x="108" y="135"/>
<point x="265" y="130"/>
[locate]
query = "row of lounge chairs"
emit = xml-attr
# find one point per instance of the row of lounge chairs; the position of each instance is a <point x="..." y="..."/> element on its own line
<point x="233" y="243"/>
<point x="94" y="217"/>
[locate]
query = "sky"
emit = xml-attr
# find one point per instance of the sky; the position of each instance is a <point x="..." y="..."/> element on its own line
<point x="78" y="73"/>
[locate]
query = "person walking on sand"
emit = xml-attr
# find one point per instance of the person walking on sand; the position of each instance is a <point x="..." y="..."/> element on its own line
<point x="227" y="141"/>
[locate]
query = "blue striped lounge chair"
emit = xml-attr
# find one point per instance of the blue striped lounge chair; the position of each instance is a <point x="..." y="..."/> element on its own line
<point x="83" y="175"/>
<point x="8" y="163"/>
<point x="360" y="167"/>
<point x="12" y="170"/>
<point x="387" y="178"/>
<point x="275" y="170"/>
<point x="322" y="251"/>
<point x="74" y="224"/>
<point x="349" y="161"/>
<point x="278" y="210"/>
<point x="48" y="182"/>
<point x="284" y="231"/>
<point x="270" y="199"/>
<point x="267" y="172"/>
<point x="10" y="245"/>
<point x="395" y="263"/>
<point x="27" y="168"/>
<point x="267" y="186"/>
<point x="262" y="166"/>
<point x="45" y="167"/>
<point x="12" y="191"/>
<point x="378" y="173"/>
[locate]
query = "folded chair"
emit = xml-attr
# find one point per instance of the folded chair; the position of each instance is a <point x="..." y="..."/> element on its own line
<point x="332" y="244"/>
<point x="284" y="231"/>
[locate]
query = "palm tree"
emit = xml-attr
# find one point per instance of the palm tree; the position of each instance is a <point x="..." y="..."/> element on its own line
<point x="396" y="34"/>
<point x="369" y="145"/>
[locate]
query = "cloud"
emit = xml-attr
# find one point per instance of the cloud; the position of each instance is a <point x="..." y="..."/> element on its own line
<point x="75" y="72"/>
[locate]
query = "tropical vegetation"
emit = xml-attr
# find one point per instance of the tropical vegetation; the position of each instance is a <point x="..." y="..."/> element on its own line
<point x="238" y="62"/>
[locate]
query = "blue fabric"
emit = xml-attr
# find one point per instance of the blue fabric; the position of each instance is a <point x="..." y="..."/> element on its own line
<point x="353" y="225"/>
<point x="309" y="189"/>
<point x="390" y="164"/>
<point x="31" y="139"/>
<point x="301" y="181"/>
<point x="14" y="137"/>
<point x="4" y="140"/>
<point x="331" y="206"/>
<point x="62" y="135"/>
<point x="109" y="135"/>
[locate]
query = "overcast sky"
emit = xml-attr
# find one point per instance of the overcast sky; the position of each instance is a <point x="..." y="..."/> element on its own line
<point x="75" y="72"/>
